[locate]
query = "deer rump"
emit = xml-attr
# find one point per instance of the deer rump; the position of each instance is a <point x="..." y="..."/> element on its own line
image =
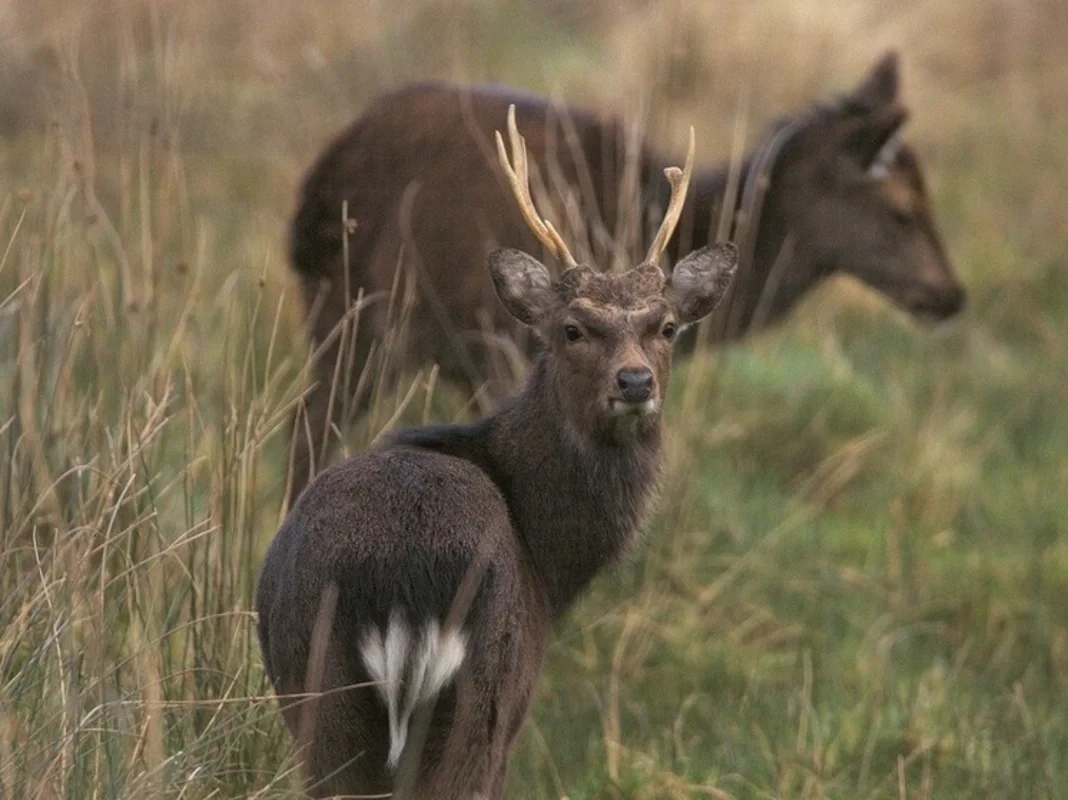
<point x="396" y="531"/>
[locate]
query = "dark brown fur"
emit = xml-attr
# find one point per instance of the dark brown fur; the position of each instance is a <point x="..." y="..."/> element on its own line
<point x="419" y="174"/>
<point x="551" y="487"/>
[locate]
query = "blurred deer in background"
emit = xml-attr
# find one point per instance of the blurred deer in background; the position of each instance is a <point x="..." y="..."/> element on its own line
<point x="441" y="560"/>
<point x="830" y="190"/>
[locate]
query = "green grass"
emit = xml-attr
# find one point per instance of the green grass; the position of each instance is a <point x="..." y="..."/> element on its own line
<point x="869" y="568"/>
<point x="857" y="584"/>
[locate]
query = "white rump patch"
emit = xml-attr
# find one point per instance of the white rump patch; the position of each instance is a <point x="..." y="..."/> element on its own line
<point x="410" y="671"/>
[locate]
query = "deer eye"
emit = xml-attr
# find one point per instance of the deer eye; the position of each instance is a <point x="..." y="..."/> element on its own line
<point x="572" y="333"/>
<point x="669" y="331"/>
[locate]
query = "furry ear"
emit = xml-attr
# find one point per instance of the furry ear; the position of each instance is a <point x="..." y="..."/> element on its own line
<point x="864" y="137"/>
<point x="701" y="280"/>
<point x="887" y="157"/>
<point x="523" y="285"/>
<point x="881" y="85"/>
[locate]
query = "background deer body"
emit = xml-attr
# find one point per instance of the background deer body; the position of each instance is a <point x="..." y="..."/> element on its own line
<point x="418" y="173"/>
<point x="533" y="501"/>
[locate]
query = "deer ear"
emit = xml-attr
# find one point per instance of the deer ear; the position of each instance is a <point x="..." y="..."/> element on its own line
<point x="700" y="281"/>
<point x="523" y="284"/>
<point x="881" y="85"/>
<point x="864" y="137"/>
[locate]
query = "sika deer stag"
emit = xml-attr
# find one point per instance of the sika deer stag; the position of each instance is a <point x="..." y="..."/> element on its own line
<point x="843" y="194"/>
<point x="412" y="588"/>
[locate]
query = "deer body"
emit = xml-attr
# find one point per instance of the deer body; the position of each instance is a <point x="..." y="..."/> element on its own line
<point x="418" y="174"/>
<point x="406" y="603"/>
<point x="395" y="530"/>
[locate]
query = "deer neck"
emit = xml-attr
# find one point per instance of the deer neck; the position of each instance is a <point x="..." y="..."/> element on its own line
<point x="577" y="504"/>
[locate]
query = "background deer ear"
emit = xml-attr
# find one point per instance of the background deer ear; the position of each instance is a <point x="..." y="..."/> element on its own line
<point x="523" y="284"/>
<point x="701" y="280"/>
<point x="865" y="136"/>
<point x="881" y="85"/>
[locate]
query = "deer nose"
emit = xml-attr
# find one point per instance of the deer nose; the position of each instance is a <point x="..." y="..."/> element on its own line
<point x="635" y="384"/>
<point x="954" y="302"/>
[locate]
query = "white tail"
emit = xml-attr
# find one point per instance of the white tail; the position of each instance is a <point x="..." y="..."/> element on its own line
<point x="423" y="670"/>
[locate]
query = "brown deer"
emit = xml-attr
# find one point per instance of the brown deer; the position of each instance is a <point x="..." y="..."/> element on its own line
<point x="515" y="514"/>
<point x="830" y="190"/>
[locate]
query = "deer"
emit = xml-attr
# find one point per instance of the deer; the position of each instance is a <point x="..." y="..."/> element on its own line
<point x="830" y="190"/>
<point x="441" y="559"/>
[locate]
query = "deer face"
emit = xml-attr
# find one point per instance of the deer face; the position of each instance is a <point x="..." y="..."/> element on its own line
<point x="902" y="254"/>
<point x="610" y="335"/>
<point x="860" y="203"/>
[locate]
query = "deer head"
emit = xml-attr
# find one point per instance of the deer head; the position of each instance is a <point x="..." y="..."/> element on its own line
<point x="856" y="198"/>
<point x="609" y="335"/>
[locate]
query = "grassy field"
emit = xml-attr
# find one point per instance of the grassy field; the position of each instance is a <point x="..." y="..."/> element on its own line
<point x="857" y="586"/>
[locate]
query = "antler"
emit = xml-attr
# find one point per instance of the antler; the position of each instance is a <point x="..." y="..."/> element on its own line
<point x="519" y="178"/>
<point x="680" y="182"/>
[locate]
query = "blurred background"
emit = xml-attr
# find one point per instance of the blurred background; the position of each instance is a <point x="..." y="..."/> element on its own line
<point x="857" y="585"/>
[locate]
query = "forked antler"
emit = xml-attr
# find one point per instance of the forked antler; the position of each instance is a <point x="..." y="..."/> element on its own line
<point x="519" y="178"/>
<point x="680" y="182"/>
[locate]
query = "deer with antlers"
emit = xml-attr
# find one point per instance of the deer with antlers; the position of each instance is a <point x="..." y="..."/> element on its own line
<point x="406" y="603"/>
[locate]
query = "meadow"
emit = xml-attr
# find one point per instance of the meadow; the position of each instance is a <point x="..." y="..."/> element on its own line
<point x="857" y="584"/>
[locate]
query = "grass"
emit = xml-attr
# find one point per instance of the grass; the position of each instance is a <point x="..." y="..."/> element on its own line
<point x="856" y="586"/>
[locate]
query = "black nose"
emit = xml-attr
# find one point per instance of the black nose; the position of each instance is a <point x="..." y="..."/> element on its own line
<point x="635" y="384"/>
<point x="954" y="302"/>
<point x="942" y="305"/>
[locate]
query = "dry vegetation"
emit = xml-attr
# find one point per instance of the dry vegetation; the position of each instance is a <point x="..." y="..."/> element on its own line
<point x="858" y="586"/>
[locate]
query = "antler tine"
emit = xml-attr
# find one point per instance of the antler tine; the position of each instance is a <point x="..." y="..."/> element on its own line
<point x="519" y="178"/>
<point x="680" y="183"/>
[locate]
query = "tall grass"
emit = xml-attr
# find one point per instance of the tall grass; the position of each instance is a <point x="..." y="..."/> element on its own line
<point x="138" y="404"/>
<point x="856" y="586"/>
